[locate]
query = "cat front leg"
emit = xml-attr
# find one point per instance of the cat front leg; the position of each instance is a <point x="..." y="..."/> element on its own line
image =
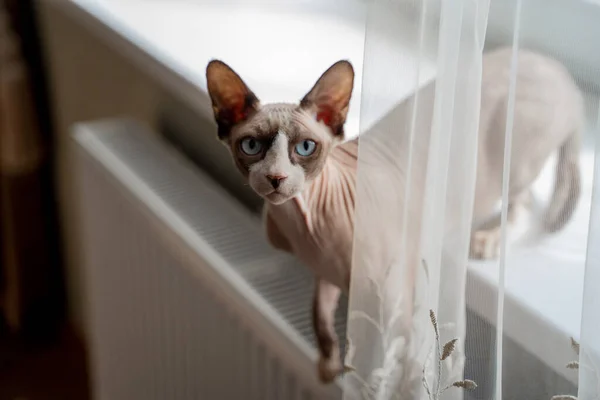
<point x="325" y="304"/>
<point x="485" y="241"/>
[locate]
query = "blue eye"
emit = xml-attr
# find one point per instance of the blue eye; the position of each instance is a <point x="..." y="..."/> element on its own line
<point x="251" y="146"/>
<point x="306" y="147"/>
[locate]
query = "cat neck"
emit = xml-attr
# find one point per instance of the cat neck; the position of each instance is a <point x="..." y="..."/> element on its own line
<point x="333" y="190"/>
<point x="338" y="174"/>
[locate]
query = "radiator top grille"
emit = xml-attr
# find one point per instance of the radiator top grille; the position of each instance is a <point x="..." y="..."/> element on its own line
<point x="221" y="220"/>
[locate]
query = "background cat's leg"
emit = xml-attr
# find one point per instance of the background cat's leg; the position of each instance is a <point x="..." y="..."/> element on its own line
<point x="324" y="305"/>
<point x="274" y="235"/>
<point x="485" y="241"/>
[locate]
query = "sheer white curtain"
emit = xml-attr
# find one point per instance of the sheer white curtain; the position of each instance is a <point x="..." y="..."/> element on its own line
<point x="424" y="321"/>
<point x="589" y="354"/>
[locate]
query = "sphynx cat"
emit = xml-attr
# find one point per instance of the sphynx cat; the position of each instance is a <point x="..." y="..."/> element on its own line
<point x="294" y="156"/>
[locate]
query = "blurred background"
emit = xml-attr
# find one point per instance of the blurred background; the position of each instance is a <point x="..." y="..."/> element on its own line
<point x="41" y="355"/>
<point x="63" y="62"/>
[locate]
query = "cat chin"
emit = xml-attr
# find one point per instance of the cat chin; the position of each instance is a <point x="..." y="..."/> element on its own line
<point x="277" y="198"/>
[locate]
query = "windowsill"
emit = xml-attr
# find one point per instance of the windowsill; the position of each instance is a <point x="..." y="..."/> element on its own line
<point x="543" y="283"/>
<point x="176" y="43"/>
<point x="544" y="278"/>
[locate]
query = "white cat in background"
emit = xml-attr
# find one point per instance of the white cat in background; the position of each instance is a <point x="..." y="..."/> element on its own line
<point x="294" y="156"/>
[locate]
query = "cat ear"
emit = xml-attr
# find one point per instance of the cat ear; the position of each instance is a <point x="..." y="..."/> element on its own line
<point x="329" y="99"/>
<point x="232" y="101"/>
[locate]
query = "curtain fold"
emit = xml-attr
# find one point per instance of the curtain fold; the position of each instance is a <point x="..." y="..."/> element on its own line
<point x="414" y="200"/>
<point x="588" y="351"/>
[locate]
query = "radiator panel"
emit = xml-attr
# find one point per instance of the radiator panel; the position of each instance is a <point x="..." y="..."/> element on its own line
<point x="186" y="298"/>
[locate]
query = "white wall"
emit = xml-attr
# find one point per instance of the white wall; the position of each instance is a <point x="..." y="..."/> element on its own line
<point x="566" y="29"/>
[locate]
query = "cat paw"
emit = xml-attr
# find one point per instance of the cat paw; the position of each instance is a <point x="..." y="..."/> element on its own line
<point x="485" y="244"/>
<point x="329" y="369"/>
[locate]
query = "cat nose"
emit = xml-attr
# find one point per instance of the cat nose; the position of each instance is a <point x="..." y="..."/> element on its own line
<point x="276" y="180"/>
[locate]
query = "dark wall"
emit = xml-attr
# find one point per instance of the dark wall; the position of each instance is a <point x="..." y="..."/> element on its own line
<point x="45" y="312"/>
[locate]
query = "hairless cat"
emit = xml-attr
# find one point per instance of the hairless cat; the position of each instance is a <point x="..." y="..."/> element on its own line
<point x="294" y="156"/>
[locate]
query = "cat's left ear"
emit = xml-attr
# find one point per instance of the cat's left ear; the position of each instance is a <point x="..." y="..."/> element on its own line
<point x="232" y="101"/>
<point x="329" y="99"/>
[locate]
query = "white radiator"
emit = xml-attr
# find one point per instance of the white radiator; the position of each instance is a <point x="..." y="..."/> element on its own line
<point x="186" y="300"/>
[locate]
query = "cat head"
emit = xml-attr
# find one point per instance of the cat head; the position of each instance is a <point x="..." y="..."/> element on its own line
<point x="280" y="147"/>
